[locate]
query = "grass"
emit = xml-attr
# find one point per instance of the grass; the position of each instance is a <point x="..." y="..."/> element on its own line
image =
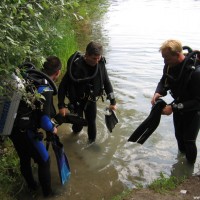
<point x="122" y="195"/>
<point x="65" y="46"/>
<point x="161" y="185"/>
<point x="126" y="193"/>
<point x="164" y="184"/>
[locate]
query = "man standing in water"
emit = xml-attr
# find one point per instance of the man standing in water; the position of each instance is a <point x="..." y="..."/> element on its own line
<point x="180" y="78"/>
<point x="83" y="84"/>
<point x="28" y="141"/>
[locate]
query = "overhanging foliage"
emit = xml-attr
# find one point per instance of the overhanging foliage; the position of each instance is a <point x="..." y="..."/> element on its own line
<point x="26" y="27"/>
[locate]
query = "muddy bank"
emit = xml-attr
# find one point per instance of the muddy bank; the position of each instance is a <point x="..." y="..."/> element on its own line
<point x="188" y="190"/>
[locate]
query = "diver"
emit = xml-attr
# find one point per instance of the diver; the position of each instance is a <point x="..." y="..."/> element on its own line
<point x="28" y="141"/>
<point x="83" y="84"/>
<point x="181" y="76"/>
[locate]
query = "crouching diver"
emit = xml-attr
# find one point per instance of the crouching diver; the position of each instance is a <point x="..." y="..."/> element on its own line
<point x="181" y="76"/>
<point x="28" y="140"/>
<point x="84" y="82"/>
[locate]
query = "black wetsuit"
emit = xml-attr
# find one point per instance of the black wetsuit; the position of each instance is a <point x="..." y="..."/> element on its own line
<point x="28" y="144"/>
<point x="185" y="90"/>
<point x="84" y="93"/>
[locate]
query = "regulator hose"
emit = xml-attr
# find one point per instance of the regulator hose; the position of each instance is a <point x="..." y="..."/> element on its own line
<point x="80" y="79"/>
<point x="30" y="69"/>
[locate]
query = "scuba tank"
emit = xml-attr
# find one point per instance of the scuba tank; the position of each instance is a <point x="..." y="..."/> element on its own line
<point x="191" y="55"/>
<point x="29" y="72"/>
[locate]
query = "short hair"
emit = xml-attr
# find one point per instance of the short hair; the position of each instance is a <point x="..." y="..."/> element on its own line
<point x="51" y="65"/>
<point x="94" y="48"/>
<point x="174" y="46"/>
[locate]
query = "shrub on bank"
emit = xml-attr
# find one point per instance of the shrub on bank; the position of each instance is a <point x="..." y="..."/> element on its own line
<point x="11" y="180"/>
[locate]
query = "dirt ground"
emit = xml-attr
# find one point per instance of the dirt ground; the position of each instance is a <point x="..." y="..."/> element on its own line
<point x="188" y="190"/>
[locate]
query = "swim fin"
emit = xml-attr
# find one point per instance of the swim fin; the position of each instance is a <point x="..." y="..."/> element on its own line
<point x="110" y="119"/>
<point x="149" y="125"/>
<point x="61" y="158"/>
<point x="70" y="118"/>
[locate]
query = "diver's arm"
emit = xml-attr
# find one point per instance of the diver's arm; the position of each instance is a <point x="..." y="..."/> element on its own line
<point x="155" y="97"/>
<point x="108" y="88"/>
<point x="62" y="91"/>
<point x="194" y="103"/>
<point x="160" y="89"/>
<point x="159" y="92"/>
<point x="107" y="83"/>
<point x="111" y="96"/>
<point x="61" y="97"/>
<point x="45" y="120"/>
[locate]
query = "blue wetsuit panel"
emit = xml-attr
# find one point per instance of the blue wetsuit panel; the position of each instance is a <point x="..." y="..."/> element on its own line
<point x="38" y="144"/>
<point x="46" y="123"/>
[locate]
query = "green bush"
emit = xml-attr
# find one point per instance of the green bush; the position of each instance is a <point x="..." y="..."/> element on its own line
<point x="27" y="29"/>
<point x="10" y="176"/>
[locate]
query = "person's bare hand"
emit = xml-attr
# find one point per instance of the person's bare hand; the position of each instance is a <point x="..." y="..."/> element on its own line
<point x="167" y="110"/>
<point x="155" y="97"/>
<point x="55" y="130"/>
<point x="113" y="107"/>
<point x="63" y="111"/>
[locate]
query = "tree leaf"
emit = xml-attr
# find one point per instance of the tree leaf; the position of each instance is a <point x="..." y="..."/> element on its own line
<point x="39" y="26"/>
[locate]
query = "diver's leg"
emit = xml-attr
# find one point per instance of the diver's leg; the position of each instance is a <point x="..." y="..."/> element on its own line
<point x="192" y="120"/>
<point x="42" y="158"/>
<point x="23" y="147"/>
<point x="90" y="114"/>
<point x="44" y="176"/>
<point x="26" y="170"/>
<point x="75" y="127"/>
<point x="177" y="119"/>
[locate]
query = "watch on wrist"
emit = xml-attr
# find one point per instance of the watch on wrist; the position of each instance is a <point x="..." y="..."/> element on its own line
<point x="180" y="106"/>
<point x="176" y="107"/>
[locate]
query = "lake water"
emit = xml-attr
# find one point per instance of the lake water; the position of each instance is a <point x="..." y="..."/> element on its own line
<point x="131" y="32"/>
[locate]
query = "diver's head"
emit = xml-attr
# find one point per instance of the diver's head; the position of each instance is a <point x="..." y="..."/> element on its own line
<point x="52" y="67"/>
<point x="93" y="53"/>
<point x="172" y="52"/>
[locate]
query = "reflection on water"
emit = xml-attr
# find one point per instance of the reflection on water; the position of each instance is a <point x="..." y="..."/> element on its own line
<point x="182" y="167"/>
<point x="134" y="30"/>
